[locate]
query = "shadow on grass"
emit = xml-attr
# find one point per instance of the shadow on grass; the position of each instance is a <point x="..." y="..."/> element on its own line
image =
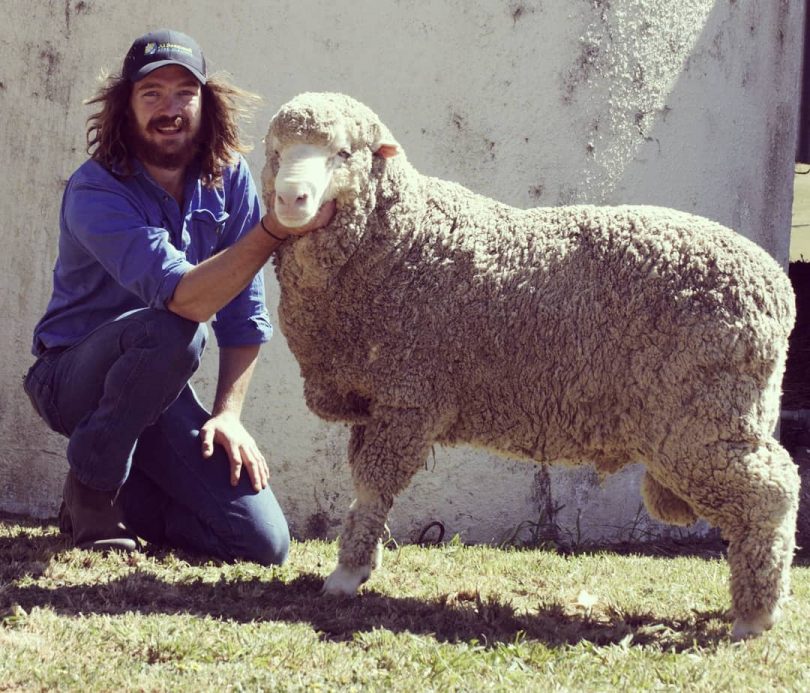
<point x="451" y="618"/>
<point x="27" y="553"/>
<point x="448" y="618"/>
<point x="710" y="548"/>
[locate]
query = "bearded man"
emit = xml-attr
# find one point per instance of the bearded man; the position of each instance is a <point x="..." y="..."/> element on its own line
<point x="161" y="230"/>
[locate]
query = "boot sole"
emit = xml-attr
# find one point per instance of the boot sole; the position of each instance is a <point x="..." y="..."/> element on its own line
<point x="105" y="545"/>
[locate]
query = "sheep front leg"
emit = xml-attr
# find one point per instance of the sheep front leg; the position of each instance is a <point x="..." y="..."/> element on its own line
<point x="360" y="543"/>
<point x="383" y="456"/>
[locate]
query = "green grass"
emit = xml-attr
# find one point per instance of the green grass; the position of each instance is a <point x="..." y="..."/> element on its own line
<point x="433" y="618"/>
<point x="800" y="226"/>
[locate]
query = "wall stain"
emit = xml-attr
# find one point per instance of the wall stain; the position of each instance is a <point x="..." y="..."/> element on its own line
<point x="777" y="161"/>
<point x="50" y="60"/>
<point x="785" y="12"/>
<point x="318" y="525"/>
<point x="47" y="76"/>
<point x="521" y="9"/>
<point x="80" y="7"/>
<point x="490" y="145"/>
<point x="541" y="494"/>
<point x="585" y="65"/>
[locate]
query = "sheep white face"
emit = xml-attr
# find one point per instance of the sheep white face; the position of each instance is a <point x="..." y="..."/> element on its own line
<point x="304" y="180"/>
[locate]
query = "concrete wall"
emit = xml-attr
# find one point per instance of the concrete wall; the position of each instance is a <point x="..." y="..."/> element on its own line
<point x="536" y="102"/>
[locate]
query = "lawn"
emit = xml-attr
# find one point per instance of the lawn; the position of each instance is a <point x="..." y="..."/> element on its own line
<point x="438" y="618"/>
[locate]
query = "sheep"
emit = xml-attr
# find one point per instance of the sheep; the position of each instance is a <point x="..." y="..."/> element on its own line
<point x="425" y="313"/>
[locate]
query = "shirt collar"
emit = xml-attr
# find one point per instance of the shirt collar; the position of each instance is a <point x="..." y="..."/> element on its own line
<point x="193" y="171"/>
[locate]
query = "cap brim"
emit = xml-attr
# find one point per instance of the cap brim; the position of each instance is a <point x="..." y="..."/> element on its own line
<point x="151" y="67"/>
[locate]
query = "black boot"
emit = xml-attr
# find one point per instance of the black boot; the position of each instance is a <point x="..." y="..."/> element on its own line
<point x="94" y="518"/>
<point x="65" y="525"/>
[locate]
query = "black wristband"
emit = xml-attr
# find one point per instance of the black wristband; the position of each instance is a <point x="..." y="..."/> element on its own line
<point x="270" y="233"/>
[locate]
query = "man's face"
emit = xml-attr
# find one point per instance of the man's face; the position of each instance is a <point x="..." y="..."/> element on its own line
<point x="166" y="109"/>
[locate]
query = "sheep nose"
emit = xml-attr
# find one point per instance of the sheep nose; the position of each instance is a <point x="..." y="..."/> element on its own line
<point x="292" y="199"/>
<point x="295" y="194"/>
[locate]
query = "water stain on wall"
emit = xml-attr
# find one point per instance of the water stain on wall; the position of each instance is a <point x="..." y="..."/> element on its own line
<point x="78" y="8"/>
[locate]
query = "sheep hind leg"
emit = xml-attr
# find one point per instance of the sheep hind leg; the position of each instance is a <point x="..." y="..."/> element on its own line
<point x="750" y="491"/>
<point x="761" y="552"/>
<point x="383" y="455"/>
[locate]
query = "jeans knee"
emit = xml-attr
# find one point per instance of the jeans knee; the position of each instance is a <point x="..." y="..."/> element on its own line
<point x="267" y="545"/>
<point x="178" y="342"/>
<point x="273" y="547"/>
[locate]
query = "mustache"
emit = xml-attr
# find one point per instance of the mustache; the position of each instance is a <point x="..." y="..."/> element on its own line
<point x="168" y="121"/>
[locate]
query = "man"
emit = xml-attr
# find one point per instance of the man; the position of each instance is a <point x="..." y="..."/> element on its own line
<point x="161" y="230"/>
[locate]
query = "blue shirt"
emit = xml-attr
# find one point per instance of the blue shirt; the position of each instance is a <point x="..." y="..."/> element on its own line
<point x="124" y="243"/>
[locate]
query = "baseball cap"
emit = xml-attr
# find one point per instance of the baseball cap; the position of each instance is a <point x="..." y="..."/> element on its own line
<point x="160" y="48"/>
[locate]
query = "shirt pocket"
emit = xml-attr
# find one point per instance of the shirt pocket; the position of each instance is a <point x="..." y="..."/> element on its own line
<point x="203" y="231"/>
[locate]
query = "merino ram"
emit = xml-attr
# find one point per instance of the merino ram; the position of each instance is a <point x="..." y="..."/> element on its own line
<point x="425" y="313"/>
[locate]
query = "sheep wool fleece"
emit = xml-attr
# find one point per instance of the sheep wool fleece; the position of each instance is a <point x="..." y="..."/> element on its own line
<point x="427" y="313"/>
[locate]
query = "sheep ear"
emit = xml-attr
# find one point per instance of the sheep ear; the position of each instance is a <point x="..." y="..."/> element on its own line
<point x="385" y="145"/>
<point x="387" y="150"/>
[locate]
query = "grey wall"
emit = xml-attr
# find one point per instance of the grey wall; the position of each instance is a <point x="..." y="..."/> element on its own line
<point x="537" y="102"/>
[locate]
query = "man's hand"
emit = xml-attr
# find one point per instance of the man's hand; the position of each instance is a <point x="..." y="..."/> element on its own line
<point x="272" y="225"/>
<point x="227" y="430"/>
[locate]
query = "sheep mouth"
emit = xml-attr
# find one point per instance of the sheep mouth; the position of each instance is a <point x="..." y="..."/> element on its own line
<point x="296" y="218"/>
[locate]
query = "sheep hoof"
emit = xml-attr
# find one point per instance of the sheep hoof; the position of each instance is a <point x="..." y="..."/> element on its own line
<point x="343" y="582"/>
<point x="753" y="626"/>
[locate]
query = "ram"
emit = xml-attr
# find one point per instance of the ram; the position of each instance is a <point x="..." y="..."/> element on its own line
<point x="425" y="313"/>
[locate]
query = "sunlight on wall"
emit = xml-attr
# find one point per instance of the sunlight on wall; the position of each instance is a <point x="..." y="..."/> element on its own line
<point x="626" y="69"/>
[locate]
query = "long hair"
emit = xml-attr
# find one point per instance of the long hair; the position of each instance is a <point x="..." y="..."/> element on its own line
<point x="220" y="143"/>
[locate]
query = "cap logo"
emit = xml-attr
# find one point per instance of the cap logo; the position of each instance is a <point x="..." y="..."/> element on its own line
<point x="151" y="48"/>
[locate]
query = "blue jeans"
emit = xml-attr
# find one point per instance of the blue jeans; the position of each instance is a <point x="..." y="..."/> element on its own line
<point x="122" y="397"/>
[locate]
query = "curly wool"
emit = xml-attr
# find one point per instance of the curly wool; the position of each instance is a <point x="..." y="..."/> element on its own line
<point x="607" y="335"/>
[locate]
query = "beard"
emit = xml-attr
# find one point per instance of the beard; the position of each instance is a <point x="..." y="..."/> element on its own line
<point x="169" y="156"/>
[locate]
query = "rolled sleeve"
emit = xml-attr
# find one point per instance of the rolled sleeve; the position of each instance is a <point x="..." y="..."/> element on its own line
<point x="244" y="320"/>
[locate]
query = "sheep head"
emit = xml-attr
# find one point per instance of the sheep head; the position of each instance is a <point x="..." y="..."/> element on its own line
<point x="321" y="147"/>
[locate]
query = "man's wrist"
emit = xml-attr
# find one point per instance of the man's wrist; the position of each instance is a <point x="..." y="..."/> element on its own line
<point x="273" y="229"/>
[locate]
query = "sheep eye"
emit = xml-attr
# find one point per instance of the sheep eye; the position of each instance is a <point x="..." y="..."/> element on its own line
<point x="344" y="154"/>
